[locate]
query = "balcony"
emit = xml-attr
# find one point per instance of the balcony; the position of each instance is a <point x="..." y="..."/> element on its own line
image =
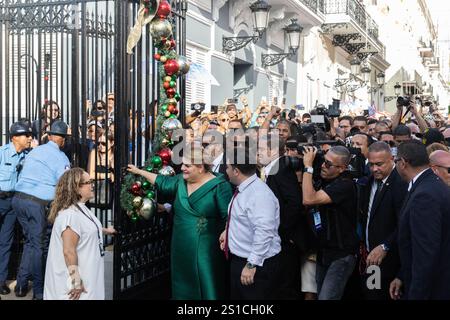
<point x="315" y="5"/>
<point x="426" y="49"/>
<point x="352" y="28"/>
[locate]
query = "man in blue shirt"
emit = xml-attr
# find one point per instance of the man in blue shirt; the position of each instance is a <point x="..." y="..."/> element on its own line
<point x="34" y="192"/>
<point x="11" y="158"/>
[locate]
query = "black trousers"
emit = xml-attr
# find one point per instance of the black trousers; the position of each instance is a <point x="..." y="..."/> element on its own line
<point x="289" y="276"/>
<point x="264" y="283"/>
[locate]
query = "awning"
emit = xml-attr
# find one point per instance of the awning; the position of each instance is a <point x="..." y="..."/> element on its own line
<point x="199" y="73"/>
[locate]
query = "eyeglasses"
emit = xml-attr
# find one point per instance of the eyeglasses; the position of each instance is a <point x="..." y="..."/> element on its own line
<point x="328" y="164"/>
<point x="85" y="183"/>
<point x="448" y="169"/>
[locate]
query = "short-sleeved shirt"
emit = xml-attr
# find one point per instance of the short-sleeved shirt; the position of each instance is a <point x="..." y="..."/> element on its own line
<point x="41" y="171"/>
<point x="90" y="261"/>
<point x="338" y="236"/>
<point x="9" y="161"/>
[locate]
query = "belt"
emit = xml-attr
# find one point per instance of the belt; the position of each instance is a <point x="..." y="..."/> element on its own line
<point x="6" y="194"/>
<point x="22" y="195"/>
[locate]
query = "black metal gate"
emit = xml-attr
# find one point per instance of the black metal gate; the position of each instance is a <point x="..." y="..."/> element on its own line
<point x="71" y="55"/>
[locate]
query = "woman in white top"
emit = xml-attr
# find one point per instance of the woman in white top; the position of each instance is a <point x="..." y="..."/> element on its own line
<point x="75" y="266"/>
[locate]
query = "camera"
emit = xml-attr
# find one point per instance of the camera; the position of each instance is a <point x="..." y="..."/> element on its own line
<point x="403" y="101"/>
<point x="334" y="109"/>
<point x="199" y="106"/>
<point x="292" y="114"/>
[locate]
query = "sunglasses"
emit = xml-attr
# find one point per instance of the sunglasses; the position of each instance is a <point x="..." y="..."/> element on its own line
<point x="102" y="143"/>
<point x="328" y="164"/>
<point x="224" y="120"/>
<point x="85" y="183"/>
<point x="448" y="169"/>
<point x="390" y="143"/>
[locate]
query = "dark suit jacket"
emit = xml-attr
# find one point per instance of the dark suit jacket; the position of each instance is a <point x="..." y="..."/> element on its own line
<point x="385" y="211"/>
<point x="286" y="188"/>
<point x="424" y="240"/>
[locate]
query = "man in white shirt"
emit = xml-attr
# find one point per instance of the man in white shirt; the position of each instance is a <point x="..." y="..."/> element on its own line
<point x="251" y="237"/>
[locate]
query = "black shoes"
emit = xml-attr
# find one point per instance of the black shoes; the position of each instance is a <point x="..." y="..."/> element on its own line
<point x="36" y="298"/>
<point x="4" y="289"/>
<point x="21" y="291"/>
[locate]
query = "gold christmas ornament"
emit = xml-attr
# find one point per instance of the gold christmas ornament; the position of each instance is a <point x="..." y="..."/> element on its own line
<point x="184" y="65"/>
<point x="148" y="209"/>
<point x="137" y="202"/>
<point x="160" y="28"/>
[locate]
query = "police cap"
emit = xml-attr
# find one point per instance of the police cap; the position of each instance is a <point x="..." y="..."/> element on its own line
<point x="58" y="128"/>
<point x="20" y="128"/>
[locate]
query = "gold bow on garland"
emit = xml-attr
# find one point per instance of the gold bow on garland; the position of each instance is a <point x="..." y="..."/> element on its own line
<point x="146" y="13"/>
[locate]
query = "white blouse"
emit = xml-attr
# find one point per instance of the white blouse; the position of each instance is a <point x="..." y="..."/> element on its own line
<point x="90" y="261"/>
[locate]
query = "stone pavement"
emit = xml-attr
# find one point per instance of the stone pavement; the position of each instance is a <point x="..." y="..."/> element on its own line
<point x="108" y="281"/>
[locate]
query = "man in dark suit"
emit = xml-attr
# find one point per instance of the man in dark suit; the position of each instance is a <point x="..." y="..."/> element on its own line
<point x="282" y="180"/>
<point x="423" y="235"/>
<point x="381" y="202"/>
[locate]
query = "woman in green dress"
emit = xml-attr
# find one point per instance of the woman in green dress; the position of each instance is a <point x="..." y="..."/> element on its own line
<point x="200" y="213"/>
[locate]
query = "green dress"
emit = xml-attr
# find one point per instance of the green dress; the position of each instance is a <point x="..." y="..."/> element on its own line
<point x="197" y="263"/>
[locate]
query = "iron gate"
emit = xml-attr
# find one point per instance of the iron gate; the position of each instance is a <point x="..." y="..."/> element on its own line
<point x="72" y="54"/>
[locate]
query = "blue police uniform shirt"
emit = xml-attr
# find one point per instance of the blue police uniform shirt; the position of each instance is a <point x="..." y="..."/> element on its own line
<point x="9" y="159"/>
<point x="41" y="171"/>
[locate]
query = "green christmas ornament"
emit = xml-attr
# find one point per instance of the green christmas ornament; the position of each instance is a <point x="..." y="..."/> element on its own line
<point x="134" y="217"/>
<point x="173" y="84"/>
<point x="164" y="108"/>
<point x="156" y="161"/>
<point x="146" y="185"/>
<point x="177" y="96"/>
<point x="149" y="168"/>
<point x="174" y="77"/>
<point x="172" y="116"/>
<point x="150" y="194"/>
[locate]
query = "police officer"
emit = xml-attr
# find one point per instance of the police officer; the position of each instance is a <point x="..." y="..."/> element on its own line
<point x="34" y="192"/>
<point x="11" y="159"/>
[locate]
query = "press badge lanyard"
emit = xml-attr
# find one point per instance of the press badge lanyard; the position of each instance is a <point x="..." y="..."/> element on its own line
<point x="100" y="244"/>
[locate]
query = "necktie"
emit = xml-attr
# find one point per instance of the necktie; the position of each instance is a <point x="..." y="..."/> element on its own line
<point x="263" y="174"/>
<point x="228" y="223"/>
<point x="377" y="193"/>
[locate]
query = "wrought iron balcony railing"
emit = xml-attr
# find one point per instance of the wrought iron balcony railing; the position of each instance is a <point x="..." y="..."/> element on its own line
<point x="356" y="11"/>
<point x="315" y="5"/>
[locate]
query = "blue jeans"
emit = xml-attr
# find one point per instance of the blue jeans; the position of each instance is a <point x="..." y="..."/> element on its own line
<point x="7" y="222"/>
<point x="32" y="218"/>
<point x="331" y="279"/>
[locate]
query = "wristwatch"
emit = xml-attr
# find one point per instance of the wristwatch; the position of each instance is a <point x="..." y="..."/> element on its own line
<point x="250" y="265"/>
<point x="384" y="247"/>
<point x="309" y="170"/>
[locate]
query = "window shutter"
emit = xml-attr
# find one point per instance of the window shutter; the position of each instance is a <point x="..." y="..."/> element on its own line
<point x="197" y="91"/>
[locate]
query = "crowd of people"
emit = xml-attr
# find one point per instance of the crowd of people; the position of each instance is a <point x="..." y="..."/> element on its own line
<point x="285" y="206"/>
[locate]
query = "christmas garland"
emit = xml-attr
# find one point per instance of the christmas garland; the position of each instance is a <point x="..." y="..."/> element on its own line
<point x="137" y="195"/>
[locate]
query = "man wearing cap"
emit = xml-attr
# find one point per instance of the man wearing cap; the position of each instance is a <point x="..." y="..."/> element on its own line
<point x="11" y="159"/>
<point x="34" y="191"/>
<point x="440" y="164"/>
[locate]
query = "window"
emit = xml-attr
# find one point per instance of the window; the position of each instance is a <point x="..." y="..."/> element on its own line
<point x="196" y="90"/>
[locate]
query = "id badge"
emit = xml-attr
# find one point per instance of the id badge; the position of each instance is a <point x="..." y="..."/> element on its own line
<point x="317" y="221"/>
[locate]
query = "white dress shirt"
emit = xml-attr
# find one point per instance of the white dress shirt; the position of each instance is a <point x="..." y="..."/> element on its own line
<point x="216" y="163"/>
<point x="265" y="171"/>
<point x="372" y="196"/>
<point x="254" y="222"/>
<point x="415" y="179"/>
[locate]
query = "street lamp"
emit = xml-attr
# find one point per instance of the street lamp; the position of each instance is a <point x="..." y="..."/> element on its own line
<point x="380" y="79"/>
<point x="397" y="92"/>
<point x="365" y="71"/>
<point x="355" y="65"/>
<point x="260" y="10"/>
<point x="293" y="32"/>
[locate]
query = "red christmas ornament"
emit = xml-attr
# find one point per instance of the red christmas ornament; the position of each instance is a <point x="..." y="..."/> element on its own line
<point x="171" y="67"/>
<point x="157" y="56"/>
<point x="171" y="92"/>
<point x="165" y="155"/>
<point x="136" y="189"/>
<point x="166" y="85"/>
<point x="171" y="108"/>
<point x="173" y="43"/>
<point x="164" y="9"/>
<point x="175" y="111"/>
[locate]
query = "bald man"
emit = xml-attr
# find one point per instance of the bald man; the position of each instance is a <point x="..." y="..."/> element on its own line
<point x="440" y="164"/>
